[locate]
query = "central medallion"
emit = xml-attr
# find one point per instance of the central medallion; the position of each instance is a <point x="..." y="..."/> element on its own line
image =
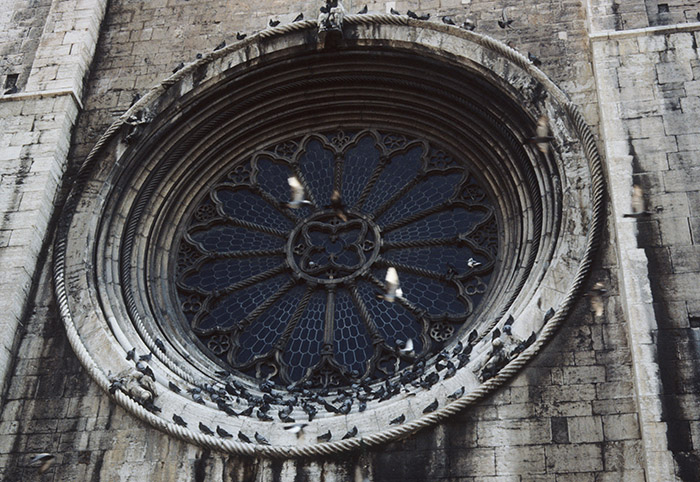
<point x="333" y="246"/>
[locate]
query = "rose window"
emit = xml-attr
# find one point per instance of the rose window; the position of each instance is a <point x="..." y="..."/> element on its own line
<point x="296" y="293"/>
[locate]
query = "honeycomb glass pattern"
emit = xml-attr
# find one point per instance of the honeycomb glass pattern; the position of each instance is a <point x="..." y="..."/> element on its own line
<point x="282" y="261"/>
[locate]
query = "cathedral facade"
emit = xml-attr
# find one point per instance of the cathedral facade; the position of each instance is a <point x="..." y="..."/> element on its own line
<point x="436" y="240"/>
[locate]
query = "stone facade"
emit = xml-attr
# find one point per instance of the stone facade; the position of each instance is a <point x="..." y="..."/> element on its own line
<point x="611" y="398"/>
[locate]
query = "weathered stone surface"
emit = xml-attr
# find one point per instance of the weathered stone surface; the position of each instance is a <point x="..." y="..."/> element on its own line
<point x="572" y="414"/>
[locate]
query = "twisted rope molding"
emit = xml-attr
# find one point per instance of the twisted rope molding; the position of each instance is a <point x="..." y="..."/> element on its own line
<point x="583" y="131"/>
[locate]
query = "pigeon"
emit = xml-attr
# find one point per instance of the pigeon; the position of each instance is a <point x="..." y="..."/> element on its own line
<point x="159" y="343"/>
<point x="549" y="314"/>
<point x="179" y="66"/>
<point x="264" y="416"/>
<point x="337" y="205"/>
<point x="456" y="395"/>
<point x="391" y="286"/>
<point x="284" y="417"/>
<point x="451" y="370"/>
<point x="298" y="18"/>
<point x="146" y="358"/>
<point x="542" y="137"/>
<point x="473" y="336"/>
<point x="424" y="17"/>
<point x="273" y="23"/>
<point x="248" y="411"/>
<point x="509" y="321"/>
<point x="226" y="408"/>
<point x="504" y="22"/>
<point x="596" y="297"/>
<point x="398" y="420"/>
<point x="406" y="347"/>
<point x="431" y="408"/>
<point x="297" y="193"/>
<point x="241" y="36"/>
<point x="362" y="406"/>
<point x="637" y="203"/>
<point x="12" y="90"/>
<point x="146" y="370"/>
<point x="44" y="461"/>
<point x="394" y="11"/>
<point x="297" y="428"/>
<point x="411" y="14"/>
<point x="448" y="20"/>
<point x="244" y="438"/>
<point x="205" y="430"/>
<point x="472" y="263"/>
<point x="363" y="11"/>
<point x="351" y="433"/>
<point x="468" y="25"/>
<point x="223" y="433"/>
<point x="535" y="61"/>
<point x="325" y="437"/>
<point x="173" y="387"/>
<point x="131" y="354"/>
<point x="220" y="46"/>
<point x="116" y="385"/>
<point x="260" y="439"/>
<point x="179" y="420"/>
<point x="197" y="397"/>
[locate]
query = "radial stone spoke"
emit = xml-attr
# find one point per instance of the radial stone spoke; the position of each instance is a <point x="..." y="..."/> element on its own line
<point x="417" y="216"/>
<point x="376" y="174"/>
<point x="267" y="304"/>
<point x="301" y="307"/>
<point x="243" y="254"/>
<point x="412" y="269"/>
<point x="364" y="314"/>
<point x="250" y="281"/>
<point x="270" y="199"/>
<point x="257" y="227"/>
<point x="420" y="243"/>
<point x="398" y="195"/>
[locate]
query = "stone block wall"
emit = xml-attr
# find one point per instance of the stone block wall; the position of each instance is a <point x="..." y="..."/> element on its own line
<point x="587" y="409"/>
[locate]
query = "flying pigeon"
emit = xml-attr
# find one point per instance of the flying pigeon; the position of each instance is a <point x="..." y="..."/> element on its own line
<point x="297" y="428"/>
<point x="297" y="193"/>
<point x="44" y="461"/>
<point x="406" y="347"/>
<point x="504" y="22"/>
<point x="597" y="306"/>
<point x="542" y="137"/>
<point x="391" y="286"/>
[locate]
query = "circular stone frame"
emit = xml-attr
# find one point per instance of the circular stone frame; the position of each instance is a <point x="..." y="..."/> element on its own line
<point x="553" y="236"/>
